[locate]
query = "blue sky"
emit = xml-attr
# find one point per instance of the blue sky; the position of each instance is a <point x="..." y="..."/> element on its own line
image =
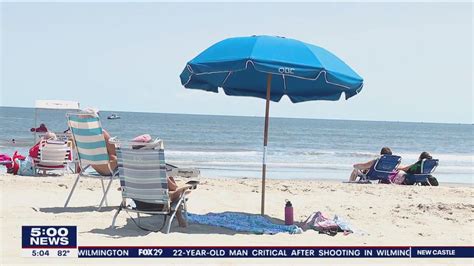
<point x="416" y="59"/>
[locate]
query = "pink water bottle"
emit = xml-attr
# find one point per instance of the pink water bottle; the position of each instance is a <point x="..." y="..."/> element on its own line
<point x="288" y="213"/>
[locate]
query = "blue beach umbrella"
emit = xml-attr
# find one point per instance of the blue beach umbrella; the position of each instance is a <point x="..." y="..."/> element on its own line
<point x="269" y="67"/>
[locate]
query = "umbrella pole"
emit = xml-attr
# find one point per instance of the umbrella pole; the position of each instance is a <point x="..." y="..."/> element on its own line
<point x="265" y="140"/>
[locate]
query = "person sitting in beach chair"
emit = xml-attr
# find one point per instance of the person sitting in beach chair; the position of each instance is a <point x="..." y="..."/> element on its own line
<point x="362" y="168"/>
<point x="93" y="149"/>
<point x="144" y="181"/>
<point x="109" y="168"/>
<point x="50" y="154"/>
<point x="420" y="172"/>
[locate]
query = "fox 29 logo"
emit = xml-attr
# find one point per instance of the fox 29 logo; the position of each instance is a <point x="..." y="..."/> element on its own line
<point x="49" y="236"/>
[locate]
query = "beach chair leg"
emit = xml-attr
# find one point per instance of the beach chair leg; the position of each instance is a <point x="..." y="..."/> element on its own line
<point x="115" y="216"/>
<point x="72" y="190"/>
<point x="169" y="222"/>
<point x="103" y="191"/>
<point x="104" y="198"/>
<point x="185" y="208"/>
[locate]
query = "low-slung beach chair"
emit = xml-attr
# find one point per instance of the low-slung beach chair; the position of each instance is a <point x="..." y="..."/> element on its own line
<point x="428" y="166"/>
<point x="53" y="155"/>
<point x="381" y="169"/>
<point x="91" y="149"/>
<point x="144" y="184"/>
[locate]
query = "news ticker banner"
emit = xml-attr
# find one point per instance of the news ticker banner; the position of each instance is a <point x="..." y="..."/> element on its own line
<point x="61" y="241"/>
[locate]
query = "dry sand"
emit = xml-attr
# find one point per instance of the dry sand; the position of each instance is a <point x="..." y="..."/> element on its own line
<point x="384" y="214"/>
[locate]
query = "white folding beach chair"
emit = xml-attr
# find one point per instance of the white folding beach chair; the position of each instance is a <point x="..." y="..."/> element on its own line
<point x="144" y="183"/>
<point x="53" y="155"/>
<point x="91" y="149"/>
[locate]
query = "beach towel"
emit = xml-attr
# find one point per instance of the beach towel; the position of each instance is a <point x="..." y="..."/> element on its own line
<point x="15" y="166"/>
<point x="397" y="177"/>
<point x="343" y="224"/>
<point x="6" y="160"/>
<point x="142" y="138"/>
<point x="243" y="222"/>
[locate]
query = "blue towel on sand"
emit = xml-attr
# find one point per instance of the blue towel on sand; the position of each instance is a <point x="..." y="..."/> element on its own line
<point x="243" y="222"/>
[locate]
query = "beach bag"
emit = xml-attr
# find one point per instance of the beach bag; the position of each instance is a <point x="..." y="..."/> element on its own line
<point x="6" y="160"/>
<point x="343" y="225"/>
<point x="15" y="166"/>
<point x="397" y="178"/>
<point x="26" y="167"/>
<point x="147" y="206"/>
<point x="317" y="221"/>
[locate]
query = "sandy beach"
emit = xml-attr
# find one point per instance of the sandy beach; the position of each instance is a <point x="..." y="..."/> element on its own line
<point x="381" y="214"/>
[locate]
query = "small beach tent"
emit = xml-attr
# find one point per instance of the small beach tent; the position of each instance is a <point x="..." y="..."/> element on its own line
<point x="53" y="105"/>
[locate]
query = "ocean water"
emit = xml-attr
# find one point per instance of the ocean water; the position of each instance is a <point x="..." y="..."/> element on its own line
<point x="231" y="146"/>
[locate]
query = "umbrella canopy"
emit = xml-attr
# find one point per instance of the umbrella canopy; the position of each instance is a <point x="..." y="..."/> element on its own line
<point x="302" y="71"/>
<point x="245" y="66"/>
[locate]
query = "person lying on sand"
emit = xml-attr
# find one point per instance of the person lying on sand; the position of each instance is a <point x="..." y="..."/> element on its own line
<point x="362" y="168"/>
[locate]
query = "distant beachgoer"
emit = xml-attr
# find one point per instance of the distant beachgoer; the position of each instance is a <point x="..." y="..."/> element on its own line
<point x="362" y="168"/>
<point x="35" y="149"/>
<point x="33" y="152"/>
<point x="415" y="168"/>
<point x="13" y="141"/>
<point x="41" y="129"/>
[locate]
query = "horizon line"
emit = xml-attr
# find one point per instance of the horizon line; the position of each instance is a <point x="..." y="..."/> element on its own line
<point x="310" y="118"/>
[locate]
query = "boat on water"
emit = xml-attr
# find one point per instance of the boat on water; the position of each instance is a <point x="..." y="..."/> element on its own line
<point x="113" y="116"/>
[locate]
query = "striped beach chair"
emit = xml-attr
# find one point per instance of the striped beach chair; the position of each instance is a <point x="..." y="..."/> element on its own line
<point x="91" y="149"/>
<point x="144" y="184"/>
<point x="53" y="155"/>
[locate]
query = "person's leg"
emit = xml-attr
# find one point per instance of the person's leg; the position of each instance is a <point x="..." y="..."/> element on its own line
<point x="102" y="169"/>
<point x="354" y="175"/>
<point x="113" y="162"/>
<point x="174" y="196"/>
<point x="181" y="220"/>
